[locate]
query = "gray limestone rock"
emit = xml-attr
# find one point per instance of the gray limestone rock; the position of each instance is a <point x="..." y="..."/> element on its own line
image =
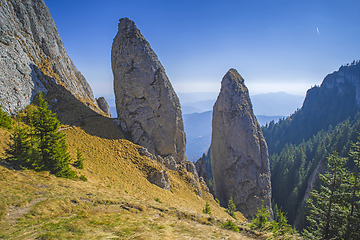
<point x="239" y="154"/>
<point x="32" y="54"/>
<point x="144" y="152"/>
<point x="190" y="167"/>
<point x="201" y="170"/>
<point x="170" y="163"/>
<point x="160" y="179"/>
<point x="147" y="105"/>
<point x="104" y="106"/>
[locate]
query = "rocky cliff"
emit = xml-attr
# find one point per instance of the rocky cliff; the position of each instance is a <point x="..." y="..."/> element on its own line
<point x="32" y="56"/>
<point x="239" y="155"/>
<point x="335" y="100"/>
<point x="147" y="105"/>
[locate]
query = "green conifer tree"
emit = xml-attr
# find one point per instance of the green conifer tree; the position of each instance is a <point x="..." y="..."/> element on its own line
<point x="261" y="218"/>
<point x="52" y="145"/>
<point x="328" y="208"/>
<point x="42" y="147"/>
<point x="207" y="209"/>
<point x="353" y="218"/>
<point x="5" y="119"/>
<point x="21" y="150"/>
<point x="231" y="208"/>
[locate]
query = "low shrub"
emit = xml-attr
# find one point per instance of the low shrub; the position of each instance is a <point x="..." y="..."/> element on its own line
<point x="230" y="225"/>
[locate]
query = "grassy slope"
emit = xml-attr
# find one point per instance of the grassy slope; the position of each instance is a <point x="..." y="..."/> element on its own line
<point x="117" y="201"/>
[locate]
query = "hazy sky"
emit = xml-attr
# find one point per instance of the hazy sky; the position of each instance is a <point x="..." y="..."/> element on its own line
<point x="276" y="45"/>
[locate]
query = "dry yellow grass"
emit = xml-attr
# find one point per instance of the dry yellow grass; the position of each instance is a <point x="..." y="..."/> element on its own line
<point x="117" y="201"/>
<point x="45" y="207"/>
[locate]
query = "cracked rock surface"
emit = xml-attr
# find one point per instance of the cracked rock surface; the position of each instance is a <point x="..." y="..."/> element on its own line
<point x="239" y="154"/>
<point x="32" y="54"/>
<point x="146" y="103"/>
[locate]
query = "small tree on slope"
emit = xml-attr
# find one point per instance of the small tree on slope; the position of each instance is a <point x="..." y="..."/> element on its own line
<point x="48" y="149"/>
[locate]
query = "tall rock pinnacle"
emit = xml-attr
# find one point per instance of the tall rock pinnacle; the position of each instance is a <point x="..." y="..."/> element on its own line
<point x="239" y="154"/>
<point x="147" y="105"/>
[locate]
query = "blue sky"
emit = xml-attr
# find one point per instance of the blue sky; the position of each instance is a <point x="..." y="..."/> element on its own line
<point x="276" y="45"/>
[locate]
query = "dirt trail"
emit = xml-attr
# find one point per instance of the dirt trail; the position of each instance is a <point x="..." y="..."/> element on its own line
<point x="17" y="212"/>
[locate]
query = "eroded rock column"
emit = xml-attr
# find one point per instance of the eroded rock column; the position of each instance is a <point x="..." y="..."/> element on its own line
<point x="239" y="154"/>
<point x="146" y="103"/>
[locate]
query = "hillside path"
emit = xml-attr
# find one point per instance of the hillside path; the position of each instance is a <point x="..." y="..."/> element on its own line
<point x="17" y="212"/>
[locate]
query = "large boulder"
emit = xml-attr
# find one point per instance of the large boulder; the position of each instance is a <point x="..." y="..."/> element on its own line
<point x="160" y="179"/>
<point x="104" y="106"/>
<point x="146" y="103"/>
<point x="33" y="57"/>
<point x="239" y="154"/>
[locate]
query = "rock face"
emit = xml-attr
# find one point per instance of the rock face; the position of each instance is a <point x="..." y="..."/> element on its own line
<point x="201" y="170"/>
<point x="104" y="106"/>
<point x="239" y="155"/>
<point x="32" y="54"/>
<point x="334" y="101"/>
<point x="347" y="77"/>
<point x="147" y="105"/>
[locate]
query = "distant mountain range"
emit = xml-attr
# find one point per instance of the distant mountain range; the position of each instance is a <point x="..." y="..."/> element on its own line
<point x="276" y="104"/>
<point x="269" y="104"/>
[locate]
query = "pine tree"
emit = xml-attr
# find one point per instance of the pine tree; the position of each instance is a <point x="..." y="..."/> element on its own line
<point x="283" y="225"/>
<point x="41" y="147"/>
<point x="261" y="218"/>
<point x="353" y="218"/>
<point x="5" y="119"/>
<point x="207" y="209"/>
<point x="327" y="208"/>
<point x="21" y="150"/>
<point x="231" y="208"/>
<point x="52" y="145"/>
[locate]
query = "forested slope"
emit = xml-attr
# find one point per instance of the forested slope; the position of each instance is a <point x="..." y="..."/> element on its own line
<point x="293" y="169"/>
<point x="299" y="144"/>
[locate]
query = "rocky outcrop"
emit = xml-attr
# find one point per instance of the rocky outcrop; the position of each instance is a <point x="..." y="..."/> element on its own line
<point x="239" y="155"/>
<point x="170" y="163"/>
<point x="32" y="54"/>
<point x="160" y="179"/>
<point x="347" y="77"/>
<point x="335" y="100"/>
<point x="104" y="106"/>
<point x="147" y="105"/>
<point x="190" y="167"/>
<point x="201" y="170"/>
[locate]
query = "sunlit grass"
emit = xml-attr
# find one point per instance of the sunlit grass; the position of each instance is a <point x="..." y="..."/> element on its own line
<point x="117" y="201"/>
